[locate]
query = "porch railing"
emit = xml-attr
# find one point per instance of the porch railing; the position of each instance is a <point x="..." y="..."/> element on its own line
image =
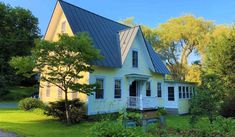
<point x="142" y="103"/>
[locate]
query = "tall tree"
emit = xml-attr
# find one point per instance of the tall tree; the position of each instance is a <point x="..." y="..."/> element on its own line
<point x="18" y="29"/>
<point x="220" y="57"/>
<point x="179" y="37"/>
<point x="62" y="63"/>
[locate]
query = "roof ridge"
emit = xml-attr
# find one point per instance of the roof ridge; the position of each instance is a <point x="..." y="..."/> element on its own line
<point x="129" y="28"/>
<point x="94" y="13"/>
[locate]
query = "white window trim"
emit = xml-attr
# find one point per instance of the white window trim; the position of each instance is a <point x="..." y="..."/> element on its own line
<point x="161" y="89"/>
<point x="117" y="78"/>
<point x="137" y="58"/>
<point x="104" y="87"/>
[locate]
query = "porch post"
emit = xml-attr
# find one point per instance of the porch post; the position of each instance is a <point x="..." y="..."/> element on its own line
<point x="141" y="102"/>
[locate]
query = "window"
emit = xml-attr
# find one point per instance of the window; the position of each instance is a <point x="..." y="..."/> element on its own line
<point x="187" y="92"/>
<point x="48" y="89"/>
<point x="117" y="89"/>
<point x="99" y="94"/>
<point x="59" y="93"/>
<point x="148" y="89"/>
<point x="183" y="92"/>
<point x="63" y="27"/>
<point x="74" y="95"/>
<point x="159" y="89"/>
<point x="135" y="59"/>
<point x="180" y="92"/>
<point x="190" y="92"/>
<point x="171" y="94"/>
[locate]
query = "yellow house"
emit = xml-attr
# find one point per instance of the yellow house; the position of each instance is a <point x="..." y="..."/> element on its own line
<point x="131" y="76"/>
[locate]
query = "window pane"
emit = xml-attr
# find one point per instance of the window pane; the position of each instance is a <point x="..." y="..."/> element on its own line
<point x="171" y="96"/>
<point x="117" y="89"/>
<point x="180" y="92"/>
<point x="48" y="89"/>
<point x="187" y="92"/>
<point x="99" y="94"/>
<point x="183" y="92"/>
<point x="134" y="59"/>
<point x="159" y="89"/>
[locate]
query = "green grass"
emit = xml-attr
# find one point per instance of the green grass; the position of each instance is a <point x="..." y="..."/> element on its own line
<point x="34" y="123"/>
<point x="18" y="92"/>
<point x="38" y="125"/>
<point x="182" y="122"/>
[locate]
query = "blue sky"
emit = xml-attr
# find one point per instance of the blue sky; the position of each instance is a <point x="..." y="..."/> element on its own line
<point x="147" y="12"/>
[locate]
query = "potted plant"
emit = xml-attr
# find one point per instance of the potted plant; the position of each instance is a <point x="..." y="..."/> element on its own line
<point x="161" y="112"/>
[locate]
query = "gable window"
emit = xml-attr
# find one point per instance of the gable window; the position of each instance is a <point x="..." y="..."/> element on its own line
<point x="159" y="89"/>
<point x="48" y="89"/>
<point x="63" y="27"/>
<point x="180" y="92"/>
<point x="99" y="94"/>
<point x="59" y="93"/>
<point x="183" y="92"/>
<point x="171" y="94"/>
<point x="117" y="89"/>
<point x="187" y="92"/>
<point x="134" y="59"/>
<point x="148" y="89"/>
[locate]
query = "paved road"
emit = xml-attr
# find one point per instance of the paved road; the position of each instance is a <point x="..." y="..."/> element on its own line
<point x="7" y="134"/>
<point x="8" y="105"/>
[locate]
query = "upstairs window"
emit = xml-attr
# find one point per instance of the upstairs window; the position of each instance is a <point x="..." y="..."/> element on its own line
<point x="180" y="92"/>
<point x="63" y="27"/>
<point x="134" y="59"/>
<point x="117" y="89"/>
<point x="99" y="94"/>
<point x="159" y="89"/>
<point x="148" y="89"/>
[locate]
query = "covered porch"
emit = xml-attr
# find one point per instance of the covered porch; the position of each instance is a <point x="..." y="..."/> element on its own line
<point x="138" y="97"/>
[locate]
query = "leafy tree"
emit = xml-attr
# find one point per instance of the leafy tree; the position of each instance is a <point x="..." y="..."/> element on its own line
<point x="194" y="73"/>
<point x="62" y="63"/>
<point x="207" y="99"/>
<point x="18" y="29"/>
<point x="220" y="57"/>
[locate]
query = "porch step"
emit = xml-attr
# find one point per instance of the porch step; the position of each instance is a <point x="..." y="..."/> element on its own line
<point x="172" y="111"/>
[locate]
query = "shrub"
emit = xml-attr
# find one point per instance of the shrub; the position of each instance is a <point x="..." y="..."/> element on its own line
<point x="227" y="108"/>
<point x="115" y="129"/>
<point x="161" y="112"/>
<point x="104" y="117"/>
<point x="57" y="110"/>
<point x="30" y="103"/>
<point x="223" y="125"/>
<point x="133" y="116"/>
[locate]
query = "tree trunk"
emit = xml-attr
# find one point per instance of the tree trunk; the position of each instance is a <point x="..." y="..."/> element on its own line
<point x="68" y="121"/>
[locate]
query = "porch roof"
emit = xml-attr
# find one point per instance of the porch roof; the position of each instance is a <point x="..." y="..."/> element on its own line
<point x="138" y="76"/>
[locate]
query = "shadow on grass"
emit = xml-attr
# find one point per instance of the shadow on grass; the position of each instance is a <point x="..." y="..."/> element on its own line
<point x="47" y="128"/>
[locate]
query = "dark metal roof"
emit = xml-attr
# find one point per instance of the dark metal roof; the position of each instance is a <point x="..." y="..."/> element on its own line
<point x="104" y="33"/>
<point x="159" y="66"/>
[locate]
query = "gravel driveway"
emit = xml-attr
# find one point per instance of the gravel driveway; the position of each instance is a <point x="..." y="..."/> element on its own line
<point x="7" y="134"/>
<point x="8" y="105"/>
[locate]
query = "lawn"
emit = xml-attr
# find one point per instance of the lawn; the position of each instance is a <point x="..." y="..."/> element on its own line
<point x="37" y="125"/>
<point x="34" y="123"/>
